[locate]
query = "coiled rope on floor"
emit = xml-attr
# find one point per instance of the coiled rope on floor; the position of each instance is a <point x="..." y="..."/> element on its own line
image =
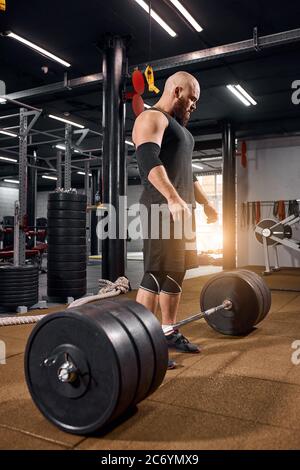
<point x="107" y="289"/>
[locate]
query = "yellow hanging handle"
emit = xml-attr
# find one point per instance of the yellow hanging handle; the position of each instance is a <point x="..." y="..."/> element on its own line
<point x="149" y="74"/>
<point x="2" y="5"/>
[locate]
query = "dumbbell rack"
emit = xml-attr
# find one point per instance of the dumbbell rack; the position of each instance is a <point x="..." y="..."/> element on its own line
<point x="273" y="234"/>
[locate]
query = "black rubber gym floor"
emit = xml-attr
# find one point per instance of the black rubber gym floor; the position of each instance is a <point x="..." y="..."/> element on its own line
<point x="238" y="393"/>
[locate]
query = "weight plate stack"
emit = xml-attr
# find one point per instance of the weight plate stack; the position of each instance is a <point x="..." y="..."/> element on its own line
<point x="67" y="255"/>
<point x="19" y="286"/>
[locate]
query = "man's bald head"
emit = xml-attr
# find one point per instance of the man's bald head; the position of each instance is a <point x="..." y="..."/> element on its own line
<point x="181" y="80"/>
<point x="181" y="93"/>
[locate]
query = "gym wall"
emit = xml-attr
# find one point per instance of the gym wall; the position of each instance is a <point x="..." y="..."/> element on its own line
<point x="8" y="196"/>
<point x="273" y="173"/>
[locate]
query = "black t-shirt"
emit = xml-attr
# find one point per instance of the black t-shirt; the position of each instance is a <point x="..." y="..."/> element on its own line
<point x="176" y="156"/>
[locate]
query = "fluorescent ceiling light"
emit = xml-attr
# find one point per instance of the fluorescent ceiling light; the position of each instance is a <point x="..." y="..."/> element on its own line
<point x="11" y="181"/>
<point x="246" y="94"/>
<point x="147" y="106"/>
<point x="157" y="18"/>
<point x="8" y="159"/>
<point x="199" y="167"/>
<point x="46" y="177"/>
<point x="83" y="173"/>
<point x="63" y="147"/>
<point x="10" y="134"/>
<point x="129" y="143"/>
<point x="187" y="16"/>
<point x="67" y="121"/>
<point x="236" y="90"/>
<point x="2" y="101"/>
<point x="37" y="48"/>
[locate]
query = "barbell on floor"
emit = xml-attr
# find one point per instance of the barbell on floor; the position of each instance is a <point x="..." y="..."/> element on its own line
<point x="86" y="366"/>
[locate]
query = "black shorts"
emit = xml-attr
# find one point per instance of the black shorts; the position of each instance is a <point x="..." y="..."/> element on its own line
<point x="171" y="253"/>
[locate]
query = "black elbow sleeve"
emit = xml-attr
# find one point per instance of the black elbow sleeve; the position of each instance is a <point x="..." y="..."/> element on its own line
<point x="147" y="157"/>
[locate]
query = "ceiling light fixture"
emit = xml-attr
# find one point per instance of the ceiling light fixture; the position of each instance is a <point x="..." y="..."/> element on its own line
<point x="10" y="134"/>
<point x="46" y="177"/>
<point x="66" y="121"/>
<point x="157" y="18"/>
<point x="241" y="94"/>
<point x="39" y="49"/>
<point x="199" y="167"/>
<point x="11" y="181"/>
<point x="8" y="159"/>
<point x="187" y="15"/>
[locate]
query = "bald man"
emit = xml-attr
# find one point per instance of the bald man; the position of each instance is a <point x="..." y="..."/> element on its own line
<point x="164" y="149"/>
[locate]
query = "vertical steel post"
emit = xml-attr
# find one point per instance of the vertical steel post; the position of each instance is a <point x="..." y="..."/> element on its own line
<point x="59" y="168"/>
<point x="113" y="117"/>
<point x="229" y="197"/>
<point x="22" y="184"/>
<point x="68" y="156"/>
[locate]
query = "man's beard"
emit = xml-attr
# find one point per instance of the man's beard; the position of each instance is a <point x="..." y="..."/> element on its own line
<point x="180" y="112"/>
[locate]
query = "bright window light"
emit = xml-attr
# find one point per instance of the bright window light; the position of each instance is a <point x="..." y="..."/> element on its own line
<point x="66" y="121"/>
<point x="8" y="159"/>
<point x="10" y="134"/>
<point x="83" y="173"/>
<point x="187" y="15"/>
<point x="233" y="90"/>
<point x="37" y="48"/>
<point x="11" y="181"/>
<point x="246" y="94"/>
<point x="199" y="167"/>
<point x="2" y="101"/>
<point x="157" y="18"/>
<point x="129" y="143"/>
<point x="46" y="177"/>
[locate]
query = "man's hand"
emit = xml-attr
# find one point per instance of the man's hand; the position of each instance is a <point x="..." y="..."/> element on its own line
<point x="211" y="213"/>
<point x="178" y="208"/>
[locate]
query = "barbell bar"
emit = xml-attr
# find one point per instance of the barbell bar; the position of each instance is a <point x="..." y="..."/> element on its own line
<point x="87" y="366"/>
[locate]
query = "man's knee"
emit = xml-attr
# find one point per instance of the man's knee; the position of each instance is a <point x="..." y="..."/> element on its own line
<point x="173" y="283"/>
<point x="153" y="281"/>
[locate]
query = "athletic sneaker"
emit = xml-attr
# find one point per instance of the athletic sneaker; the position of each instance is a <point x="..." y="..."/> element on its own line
<point x="177" y="341"/>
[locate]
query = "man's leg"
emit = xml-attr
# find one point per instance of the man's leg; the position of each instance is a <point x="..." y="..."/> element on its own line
<point x="148" y="295"/>
<point x="148" y="299"/>
<point x="169" y="300"/>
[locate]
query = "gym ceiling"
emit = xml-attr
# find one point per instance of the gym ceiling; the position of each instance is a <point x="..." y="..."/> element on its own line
<point x="73" y="30"/>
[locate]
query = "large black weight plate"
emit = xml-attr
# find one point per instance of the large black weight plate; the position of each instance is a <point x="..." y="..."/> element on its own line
<point x="158" y="340"/>
<point x="67" y="197"/>
<point x="62" y="284"/>
<point x="141" y="342"/>
<point x="67" y="205"/>
<point x="22" y="270"/>
<point x="56" y="214"/>
<point x="66" y="266"/>
<point x="66" y="224"/>
<point x="265" y="292"/>
<point x="61" y="232"/>
<point x="66" y="275"/>
<point x="239" y="320"/>
<point x="66" y="249"/>
<point x="71" y="257"/>
<point x="10" y="292"/>
<point x="107" y="350"/>
<point x="19" y="299"/>
<point x="257" y="289"/>
<point x="66" y="240"/>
